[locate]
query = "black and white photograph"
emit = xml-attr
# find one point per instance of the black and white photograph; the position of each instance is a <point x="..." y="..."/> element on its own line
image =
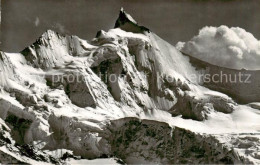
<point x="129" y="82"/>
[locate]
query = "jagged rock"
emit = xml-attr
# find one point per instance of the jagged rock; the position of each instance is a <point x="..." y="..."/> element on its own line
<point x="47" y="98"/>
<point x="148" y="141"/>
<point x="127" y="23"/>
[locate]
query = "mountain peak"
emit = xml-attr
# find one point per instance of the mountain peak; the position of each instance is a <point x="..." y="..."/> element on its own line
<point x="49" y="33"/>
<point x="126" y="22"/>
<point x="47" y="36"/>
<point x="124" y="18"/>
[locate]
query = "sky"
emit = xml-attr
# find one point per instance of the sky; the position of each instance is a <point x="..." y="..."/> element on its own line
<point x="23" y="21"/>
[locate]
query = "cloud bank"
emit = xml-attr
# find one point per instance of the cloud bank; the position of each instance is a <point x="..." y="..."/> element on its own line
<point x="227" y="47"/>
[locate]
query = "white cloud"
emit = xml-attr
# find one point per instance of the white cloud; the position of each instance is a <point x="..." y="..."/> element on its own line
<point x="61" y="28"/>
<point x="37" y="21"/>
<point x="180" y="45"/>
<point x="228" y="47"/>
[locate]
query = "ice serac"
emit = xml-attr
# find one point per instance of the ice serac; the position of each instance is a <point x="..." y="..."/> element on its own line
<point x="126" y="90"/>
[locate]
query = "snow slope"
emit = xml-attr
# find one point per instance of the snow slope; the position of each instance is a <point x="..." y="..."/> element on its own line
<point x="244" y="89"/>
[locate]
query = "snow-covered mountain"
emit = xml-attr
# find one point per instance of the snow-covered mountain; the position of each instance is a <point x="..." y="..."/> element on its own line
<point x="245" y="91"/>
<point x="126" y="95"/>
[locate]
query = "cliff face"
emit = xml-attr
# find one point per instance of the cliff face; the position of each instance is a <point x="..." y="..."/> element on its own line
<point x="147" y="141"/>
<point x="126" y="90"/>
